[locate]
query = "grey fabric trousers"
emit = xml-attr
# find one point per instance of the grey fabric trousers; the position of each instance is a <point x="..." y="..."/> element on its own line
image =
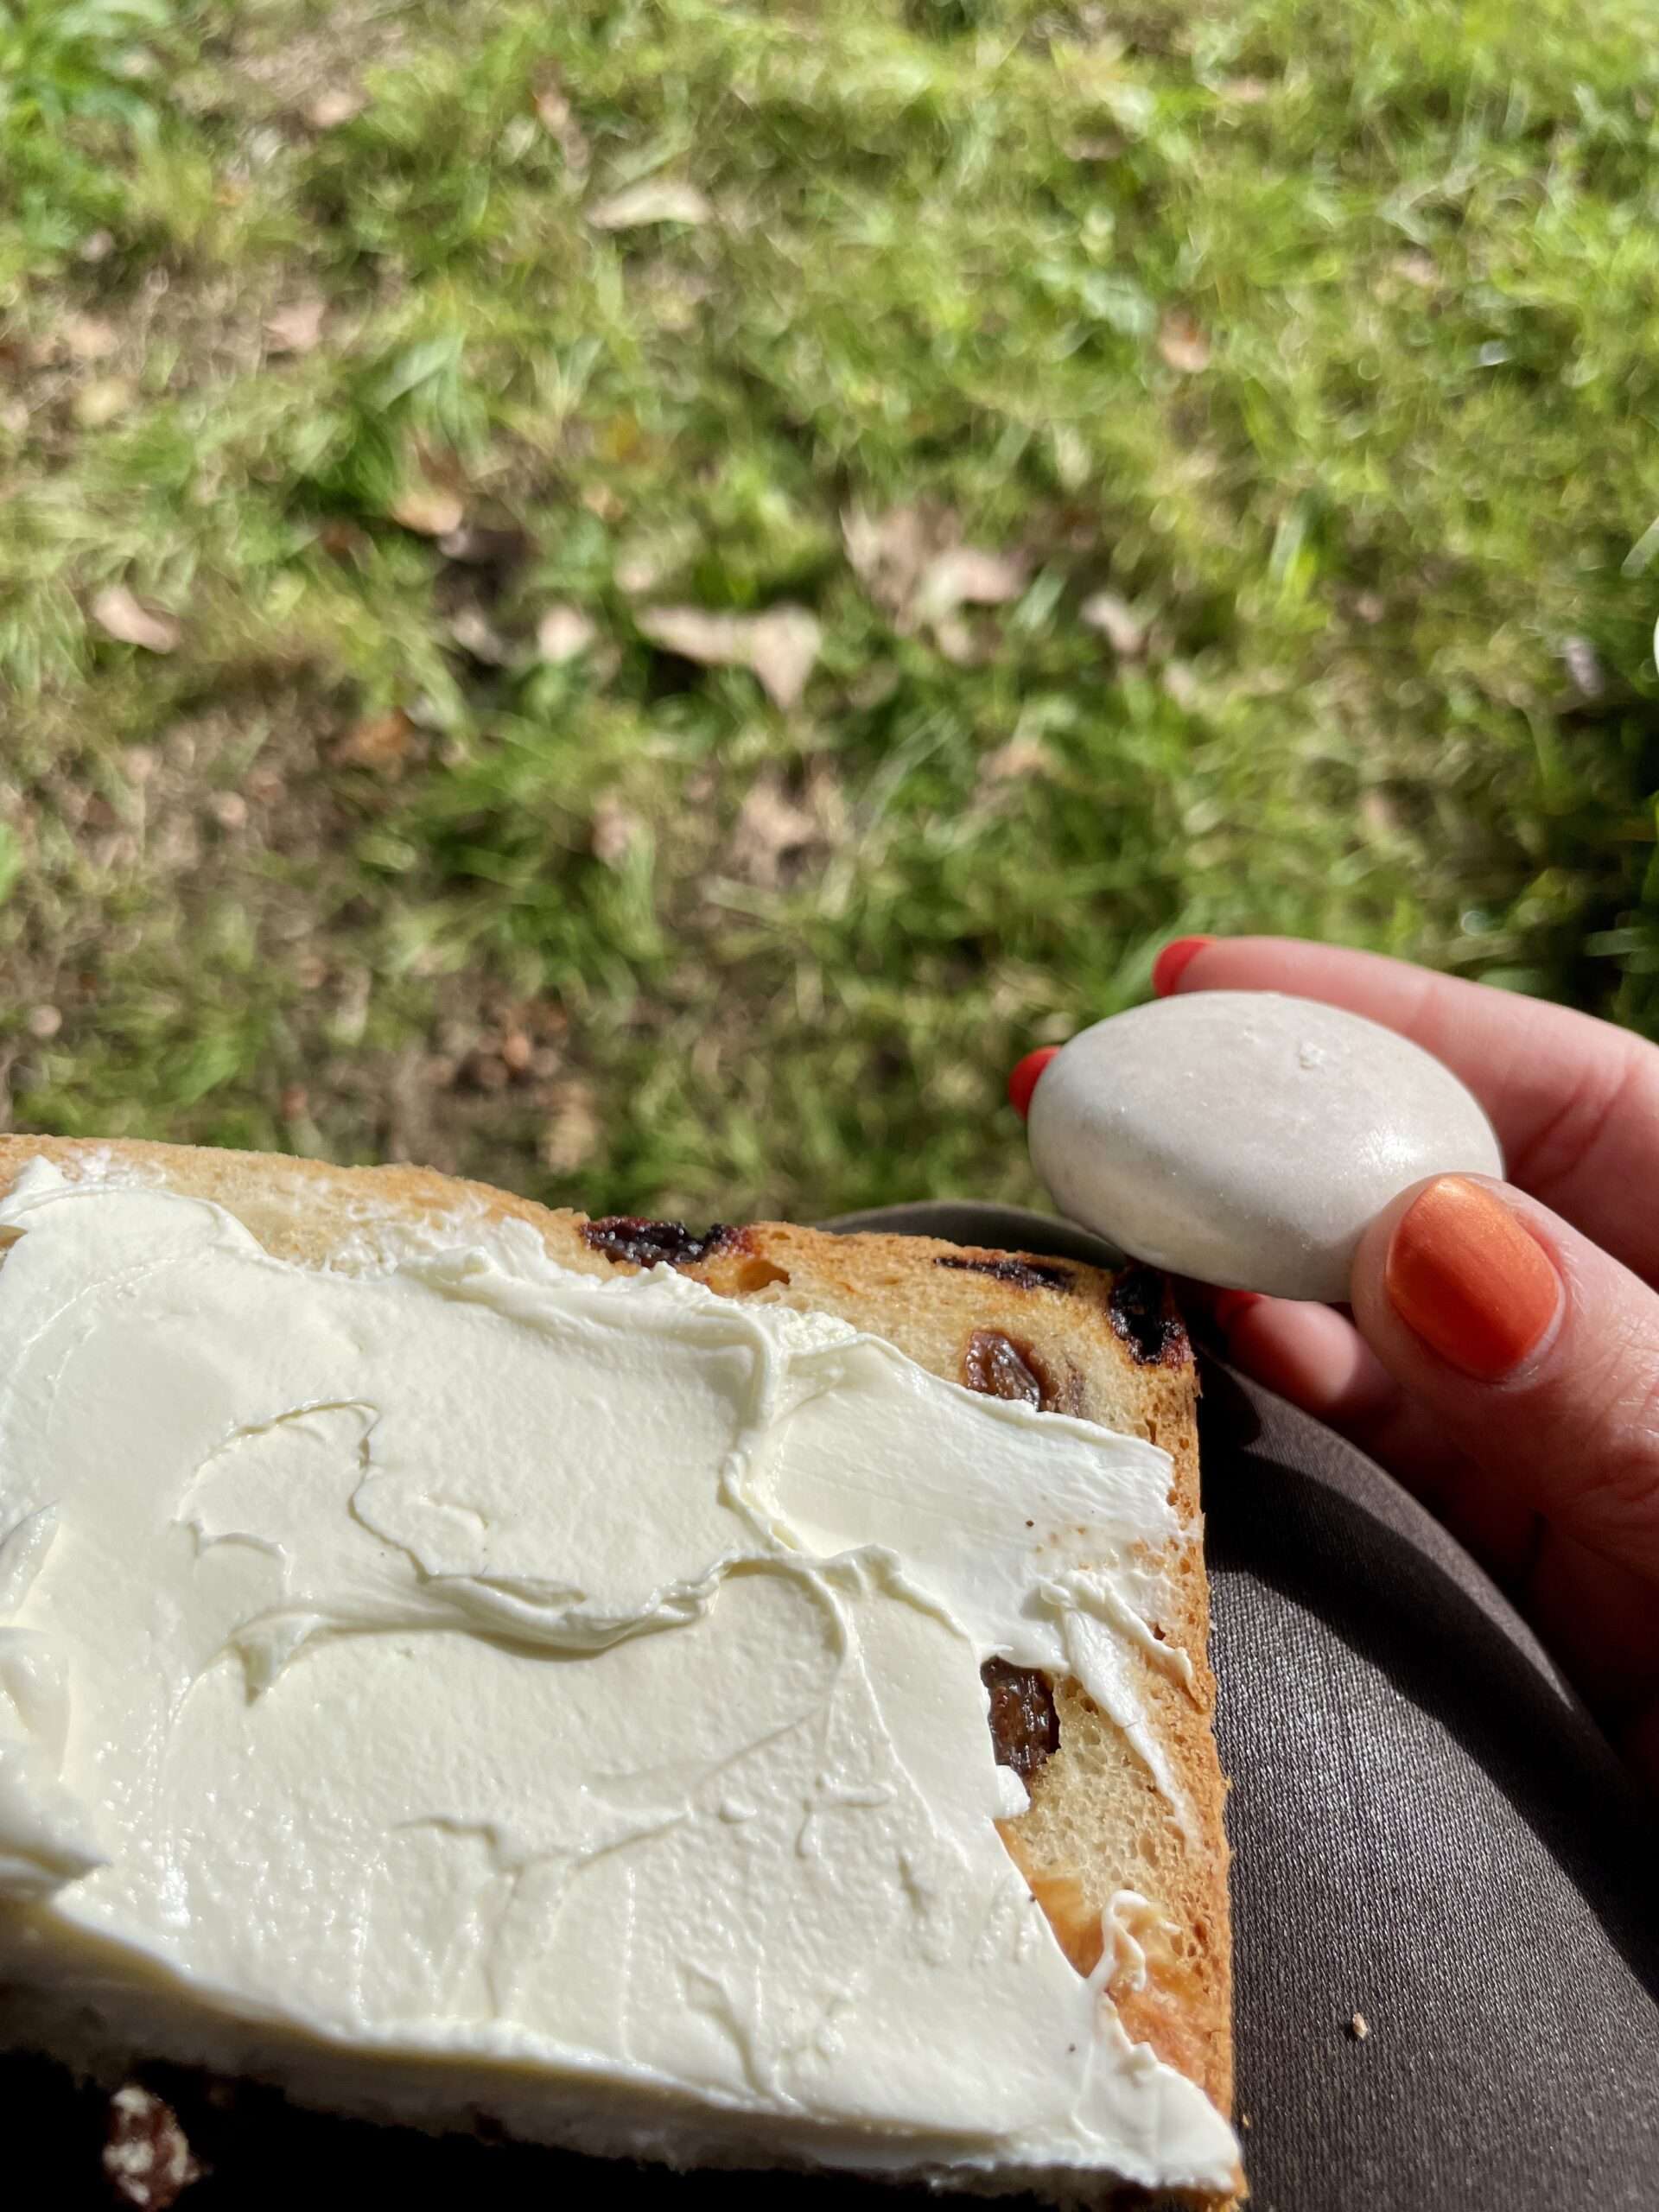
<point x="1427" y="1831"/>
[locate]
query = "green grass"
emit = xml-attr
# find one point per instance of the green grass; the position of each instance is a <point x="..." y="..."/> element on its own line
<point x="1323" y="333"/>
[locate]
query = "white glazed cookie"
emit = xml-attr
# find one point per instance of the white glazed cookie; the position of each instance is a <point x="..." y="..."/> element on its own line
<point x="1246" y="1139"/>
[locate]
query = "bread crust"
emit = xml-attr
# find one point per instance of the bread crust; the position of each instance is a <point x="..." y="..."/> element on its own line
<point x="1109" y="1347"/>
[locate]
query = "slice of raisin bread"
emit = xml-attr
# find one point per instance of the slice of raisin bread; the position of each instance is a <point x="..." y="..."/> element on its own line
<point x="1058" y="1334"/>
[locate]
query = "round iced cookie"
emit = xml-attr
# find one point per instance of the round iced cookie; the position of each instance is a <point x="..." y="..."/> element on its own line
<point x="1247" y="1139"/>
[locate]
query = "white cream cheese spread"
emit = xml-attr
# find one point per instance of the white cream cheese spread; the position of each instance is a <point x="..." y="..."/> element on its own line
<point x="568" y="1683"/>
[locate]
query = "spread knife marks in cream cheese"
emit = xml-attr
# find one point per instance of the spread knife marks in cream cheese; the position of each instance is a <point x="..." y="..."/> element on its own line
<point x="474" y="1662"/>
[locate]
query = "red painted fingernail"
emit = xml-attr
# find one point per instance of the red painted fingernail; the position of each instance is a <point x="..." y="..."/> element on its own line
<point x="1231" y="1303"/>
<point x="1465" y="1274"/>
<point x="1171" y="963"/>
<point x="1023" y="1079"/>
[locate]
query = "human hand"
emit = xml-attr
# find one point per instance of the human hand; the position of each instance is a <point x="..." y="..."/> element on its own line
<point x="1502" y="1358"/>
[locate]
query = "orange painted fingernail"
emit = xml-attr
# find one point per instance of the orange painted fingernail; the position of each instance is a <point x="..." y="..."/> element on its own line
<point x="1463" y="1273"/>
<point x="1022" y="1077"/>
<point x="1171" y="963"/>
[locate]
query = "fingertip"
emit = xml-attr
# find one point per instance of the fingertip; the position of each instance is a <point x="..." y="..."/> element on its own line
<point x="1024" y="1075"/>
<point x="1459" y="1265"/>
<point x="1173" y="961"/>
<point x="1532" y="1350"/>
<point x="1312" y="1355"/>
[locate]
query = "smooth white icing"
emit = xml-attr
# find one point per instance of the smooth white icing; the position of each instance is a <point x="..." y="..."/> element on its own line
<point x="538" y="1676"/>
<point x="1246" y="1139"/>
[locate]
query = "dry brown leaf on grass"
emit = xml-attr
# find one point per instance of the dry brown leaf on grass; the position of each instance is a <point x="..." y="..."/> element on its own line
<point x="1104" y="146"/>
<point x="120" y="615"/>
<point x="1182" y="342"/>
<point x="638" y="572"/>
<point x="295" y="328"/>
<point x="1379" y="814"/>
<point x="968" y="575"/>
<point x="1182" y="685"/>
<point x="957" y="641"/>
<point x="428" y="511"/>
<point x="558" y="118"/>
<point x="571" y="1133"/>
<point x="103" y="401"/>
<point x="964" y="576"/>
<point x="1017" y="761"/>
<point x="1006" y="771"/>
<point x="472" y="631"/>
<point x="776" y="833"/>
<point x="338" y="104"/>
<point x="778" y="647"/>
<point x="344" y="541"/>
<point x="379" y="741"/>
<point x="914" y="566"/>
<point x="1585" y="668"/>
<point x="88" y="337"/>
<point x="888" y="552"/>
<point x="1116" y="621"/>
<point x="614" y="832"/>
<point x="562" y="633"/>
<point x="654" y="199"/>
<point x="783" y="647"/>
